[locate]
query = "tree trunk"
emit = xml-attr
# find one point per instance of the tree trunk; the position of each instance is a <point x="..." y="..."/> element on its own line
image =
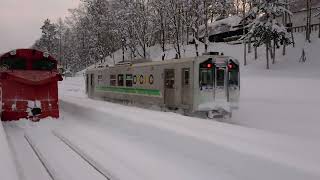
<point x="291" y="30"/>
<point x="249" y="46"/>
<point x="244" y="33"/>
<point x="308" y="27"/>
<point x="255" y="50"/>
<point x="270" y="49"/>
<point x="267" y="55"/>
<point x="206" y="26"/>
<point x="196" y="38"/>
<point x="163" y="37"/>
<point x="274" y="52"/>
<point x="122" y="51"/>
<point x="237" y="7"/>
<point x="319" y="29"/>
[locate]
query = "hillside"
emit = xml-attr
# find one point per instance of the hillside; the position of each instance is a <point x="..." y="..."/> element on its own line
<point x="283" y="99"/>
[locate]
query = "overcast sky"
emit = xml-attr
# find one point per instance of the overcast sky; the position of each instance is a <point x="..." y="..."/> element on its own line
<point x="20" y="20"/>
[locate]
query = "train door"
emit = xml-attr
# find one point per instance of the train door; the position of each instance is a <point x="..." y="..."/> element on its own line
<point x="91" y="83"/>
<point x="87" y="83"/>
<point x="233" y="81"/>
<point x="169" y="87"/>
<point x="0" y="101"/>
<point x="220" y="83"/>
<point x="185" y="91"/>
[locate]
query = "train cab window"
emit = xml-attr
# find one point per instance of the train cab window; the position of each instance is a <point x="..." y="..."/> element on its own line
<point x="113" y="80"/>
<point x="120" y="80"/>
<point x="233" y="78"/>
<point x="43" y="65"/>
<point x="206" y="78"/>
<point x="186" y="76"/>
<point x="13" y="63"/>
<point x="129" y="80"/>
<point x="206" y="74"/>
<point x="220" y="76"/>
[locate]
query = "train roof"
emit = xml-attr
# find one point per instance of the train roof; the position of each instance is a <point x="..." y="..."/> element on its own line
<point x="170" y="61"/>
<point x="29" y="54"/>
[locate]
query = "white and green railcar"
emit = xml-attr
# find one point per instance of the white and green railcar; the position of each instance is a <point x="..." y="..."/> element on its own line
<point x="208" y="83"/>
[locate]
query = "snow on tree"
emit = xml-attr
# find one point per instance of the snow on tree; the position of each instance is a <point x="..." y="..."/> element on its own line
<point x="266" y="28"/>
<point x="98" y="28"/>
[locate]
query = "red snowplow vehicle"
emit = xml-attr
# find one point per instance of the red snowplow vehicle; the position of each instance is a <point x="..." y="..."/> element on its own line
<point x="28" y="85"/>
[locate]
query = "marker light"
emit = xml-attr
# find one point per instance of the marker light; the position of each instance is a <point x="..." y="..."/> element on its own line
<point x="230" y="66"/>
<point x="13" y="53"/>
<point x="209" y="65"/>
<point x="46" y="54"/>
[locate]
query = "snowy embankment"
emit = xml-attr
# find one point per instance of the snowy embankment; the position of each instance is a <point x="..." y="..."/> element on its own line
<point x="283" y="99"/>
<point x="145" y="144"/>
<point x="7" y="166"/>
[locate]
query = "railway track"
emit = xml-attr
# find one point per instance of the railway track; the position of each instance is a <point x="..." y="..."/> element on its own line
<point x="57" y="158"/>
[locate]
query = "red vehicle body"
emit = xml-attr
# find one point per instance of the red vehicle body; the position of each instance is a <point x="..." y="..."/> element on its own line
<point x="28" y="85"/>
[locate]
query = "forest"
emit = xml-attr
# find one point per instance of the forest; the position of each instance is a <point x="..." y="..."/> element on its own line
<point x="99" y="28"/>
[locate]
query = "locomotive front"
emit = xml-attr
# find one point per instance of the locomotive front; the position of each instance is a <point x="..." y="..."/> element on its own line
<point x="218" y="88"/>
<point x="28" y="85"/>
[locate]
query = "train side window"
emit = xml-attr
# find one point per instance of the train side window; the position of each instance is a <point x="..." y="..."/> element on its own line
<point x="186" y="76"/>
<point x="113" y="80"/>
<point x="99" y="78"/>
<point x="169" y="79"/>
<point x="129" y="80"/>
<point x="120" y="80"/>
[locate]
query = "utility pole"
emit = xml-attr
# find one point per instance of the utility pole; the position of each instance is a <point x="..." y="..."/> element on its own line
<point x="60" y="48"/>
<point x="244" y="31"/>
<point x="206" y="38"/>
<point x="308" y="27"/>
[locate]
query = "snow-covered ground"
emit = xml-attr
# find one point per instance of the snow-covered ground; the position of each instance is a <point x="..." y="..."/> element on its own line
<point x="283" y="99"/>
<point x="273" y="135"/>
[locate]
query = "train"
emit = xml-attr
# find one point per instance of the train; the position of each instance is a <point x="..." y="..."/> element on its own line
<point x="207" y="84"/>
<point x="28" y="85"/>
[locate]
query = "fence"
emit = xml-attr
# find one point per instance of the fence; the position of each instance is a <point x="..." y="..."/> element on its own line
<point x="314" y="27"/>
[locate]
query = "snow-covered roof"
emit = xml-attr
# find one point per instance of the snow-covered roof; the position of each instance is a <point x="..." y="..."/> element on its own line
<point x="300" y="5"/>
<point x="220" y="26"/>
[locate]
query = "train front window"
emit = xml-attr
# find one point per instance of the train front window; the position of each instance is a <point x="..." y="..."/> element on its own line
<point x="220" y="76"/>
<point x="13" y="63"/>
<point x="233" y="78"/>
<point x="206" y="74"/>
<point x="206" y="78"/>
<point x="43" y="65"/>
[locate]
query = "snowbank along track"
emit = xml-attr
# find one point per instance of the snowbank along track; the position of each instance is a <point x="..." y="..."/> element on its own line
<point x="59" y="157"/>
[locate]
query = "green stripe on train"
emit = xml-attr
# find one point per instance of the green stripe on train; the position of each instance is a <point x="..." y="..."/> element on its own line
<point x="150" y="92"/>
